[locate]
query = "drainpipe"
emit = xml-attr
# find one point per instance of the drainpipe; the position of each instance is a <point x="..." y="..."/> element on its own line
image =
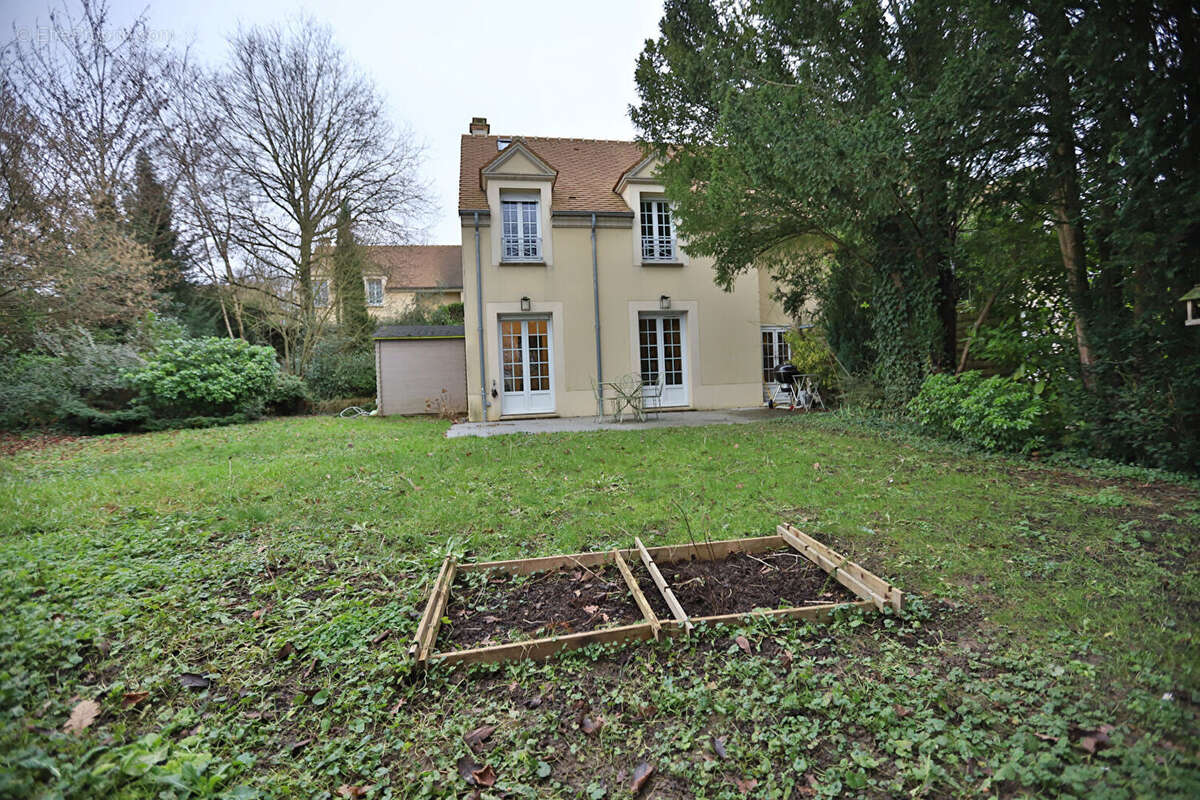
<point x="596" y="303"/>
<point x="483" y="401"/>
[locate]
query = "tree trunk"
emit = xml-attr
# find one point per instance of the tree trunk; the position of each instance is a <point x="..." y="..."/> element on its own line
<point x="987" y="306"/>
<point x="1062" y="162"/>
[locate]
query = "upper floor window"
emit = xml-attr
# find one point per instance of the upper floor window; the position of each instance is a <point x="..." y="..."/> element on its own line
<point x="320" y="293"/>
<point x="658" y="232"/>
<point x="519" y="234"/>
<point x="374" y="291"/>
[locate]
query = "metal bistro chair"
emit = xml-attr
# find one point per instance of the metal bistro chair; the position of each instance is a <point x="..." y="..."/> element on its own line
<point x="598" y="391"/>
<point x="652" y="390"/>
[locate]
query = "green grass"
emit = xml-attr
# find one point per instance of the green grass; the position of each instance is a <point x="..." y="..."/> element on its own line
<point x="1047" y="604"/>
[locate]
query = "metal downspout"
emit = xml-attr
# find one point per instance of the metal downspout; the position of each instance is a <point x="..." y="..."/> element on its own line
<point x="596" y="303"/>
<point x="483" y="401"/>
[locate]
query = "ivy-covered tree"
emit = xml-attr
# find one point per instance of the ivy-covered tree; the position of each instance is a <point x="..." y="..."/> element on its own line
<point x="876" y="127"/>
<point x="349" y="291"/>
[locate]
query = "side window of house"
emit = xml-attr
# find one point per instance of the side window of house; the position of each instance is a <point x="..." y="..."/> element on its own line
<point x="374" y="291"/>
<point x="320" y="293"/>
<point x="521" y="240"/>
<point x="658" y="232"/>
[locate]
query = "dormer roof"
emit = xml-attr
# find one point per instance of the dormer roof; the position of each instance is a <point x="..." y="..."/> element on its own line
<point x="584" y="172"/>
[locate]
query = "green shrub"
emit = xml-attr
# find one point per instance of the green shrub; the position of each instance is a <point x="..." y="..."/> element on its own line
<point x="289" y="395"/>
<point x="811" y="355"/>
<point x="211" y="377"/>
<point x="341" y="368"/>
<point x="71" y="381"/>
<point x="994" y="413"/>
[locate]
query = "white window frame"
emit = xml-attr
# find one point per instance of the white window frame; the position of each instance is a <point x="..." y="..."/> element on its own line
<point x="658" y="232"/>
<point x="528" y="239"/>
<point x="367" y="290"/>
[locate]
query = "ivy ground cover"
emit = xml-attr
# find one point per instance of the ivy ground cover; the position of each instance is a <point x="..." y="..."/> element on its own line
<point x="226" y="613"/>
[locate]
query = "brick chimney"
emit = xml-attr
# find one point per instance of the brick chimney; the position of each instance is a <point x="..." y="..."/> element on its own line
<point x="479" y="126"/>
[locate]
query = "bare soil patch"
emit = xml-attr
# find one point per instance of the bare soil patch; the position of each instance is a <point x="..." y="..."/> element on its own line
<point x="743" y="582"/>
<point x="489" y="608"/>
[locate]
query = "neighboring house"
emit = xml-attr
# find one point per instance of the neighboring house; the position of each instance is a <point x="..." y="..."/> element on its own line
<point x="573" y="271"/>
<point x="399" y="277"/>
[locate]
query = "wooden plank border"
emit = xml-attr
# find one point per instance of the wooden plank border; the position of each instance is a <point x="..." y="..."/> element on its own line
<point x="539" y="649"/>
<point x="872" y="590"/>
<point x="639" y="598"/>
<point x="677" y="610"/>
<point x="854" y="577"/>
<point x="423" y="626"/>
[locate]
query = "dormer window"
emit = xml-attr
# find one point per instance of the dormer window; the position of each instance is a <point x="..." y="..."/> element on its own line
<point x="520" y="238"/>
<point x="658" y="232"/>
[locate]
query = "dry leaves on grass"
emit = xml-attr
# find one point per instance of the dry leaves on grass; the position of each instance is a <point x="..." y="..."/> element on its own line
<point x="640" y="775"/>
<point x="592" y="726"/>
<point x="477" y="737"/>
<point x="347" y="790"/>
<point x="743" y="643"/>
<point x="82" y="715"/>
<point x="130" y="699"/>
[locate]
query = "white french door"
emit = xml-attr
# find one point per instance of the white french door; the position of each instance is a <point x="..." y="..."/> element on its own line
<point x="525" y="366"/>
<point x="662" y="350"/>
<point x="775" y="351"/>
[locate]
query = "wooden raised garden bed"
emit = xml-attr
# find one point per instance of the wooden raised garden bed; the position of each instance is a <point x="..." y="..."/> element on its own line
<point x="565" y="602"/>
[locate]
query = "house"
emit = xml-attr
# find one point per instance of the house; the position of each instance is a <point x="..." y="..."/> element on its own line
<point x="397" y="278"/>
<point x="573" y="273"/>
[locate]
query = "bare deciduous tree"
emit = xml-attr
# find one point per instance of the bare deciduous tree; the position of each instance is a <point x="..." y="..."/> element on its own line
<point x="300" y="130"/>
<point x="76" y="105"/>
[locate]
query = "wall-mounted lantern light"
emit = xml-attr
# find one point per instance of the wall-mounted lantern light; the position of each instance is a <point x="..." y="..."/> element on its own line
<point x="526" y="304"/>
<point x="1192" y="299"/>
<point x="664" y="303"/>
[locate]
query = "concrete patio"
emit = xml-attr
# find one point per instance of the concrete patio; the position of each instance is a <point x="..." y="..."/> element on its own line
<point x="668" y="419"/>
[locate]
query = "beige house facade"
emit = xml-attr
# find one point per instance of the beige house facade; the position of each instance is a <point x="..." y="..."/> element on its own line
<point x="399" y="278"/>
<point x="573" y="274"/>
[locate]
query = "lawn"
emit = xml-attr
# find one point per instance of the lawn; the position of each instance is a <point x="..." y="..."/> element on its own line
<point x="278" y="570"/>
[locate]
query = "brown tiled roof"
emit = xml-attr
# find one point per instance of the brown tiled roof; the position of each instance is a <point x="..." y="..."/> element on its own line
<point x="588" y="169"/>
<point x="418" y="266"/>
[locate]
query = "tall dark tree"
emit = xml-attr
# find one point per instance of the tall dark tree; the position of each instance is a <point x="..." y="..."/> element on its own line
<point x="148" y="212"/>
<point x="875" y="127"/>
<point x="349" y="291"/>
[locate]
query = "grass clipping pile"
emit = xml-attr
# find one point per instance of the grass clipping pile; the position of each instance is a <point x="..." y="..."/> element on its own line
<point x="533" y="608"/>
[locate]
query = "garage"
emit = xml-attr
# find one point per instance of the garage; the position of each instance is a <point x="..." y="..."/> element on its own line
<point x="421" y="369"/>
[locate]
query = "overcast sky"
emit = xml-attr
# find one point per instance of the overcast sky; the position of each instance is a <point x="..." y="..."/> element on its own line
<point x="543" y="68"/>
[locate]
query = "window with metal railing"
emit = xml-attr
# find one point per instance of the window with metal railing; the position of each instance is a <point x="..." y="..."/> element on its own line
<point x="658" y="232"/>
<point x="520" y="239"/>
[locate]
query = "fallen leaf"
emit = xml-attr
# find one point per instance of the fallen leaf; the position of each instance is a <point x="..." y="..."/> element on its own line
<point x="743" y="643"/>
<point x="489" y="619"/>
<point x="259" y="613"/>
<point x="399" y="704"/>
<point x="1045" y="737"/>
<point x="477" y="737"/>
<point x="467" y="766"/>
<point x="719" y="746"/>
<point x="485" y="776"/>
<point x="591" y="609"/>
<point x="744" y="786"/>
<point x="786" y="658"/>
<point x="592" y="727"/>
<point x="382" y="635"/>
<point x="82" y="715"/>
<point x="346" y="790"/>
<point x="308" y="671"/>
<point x="133" y="698"/>
<point x="287" y="651"/>
<point x="640" y="775"/>
<point x="300" y="745"/>
<point x="902" y="711"/>
<point x="190" y="680"/>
